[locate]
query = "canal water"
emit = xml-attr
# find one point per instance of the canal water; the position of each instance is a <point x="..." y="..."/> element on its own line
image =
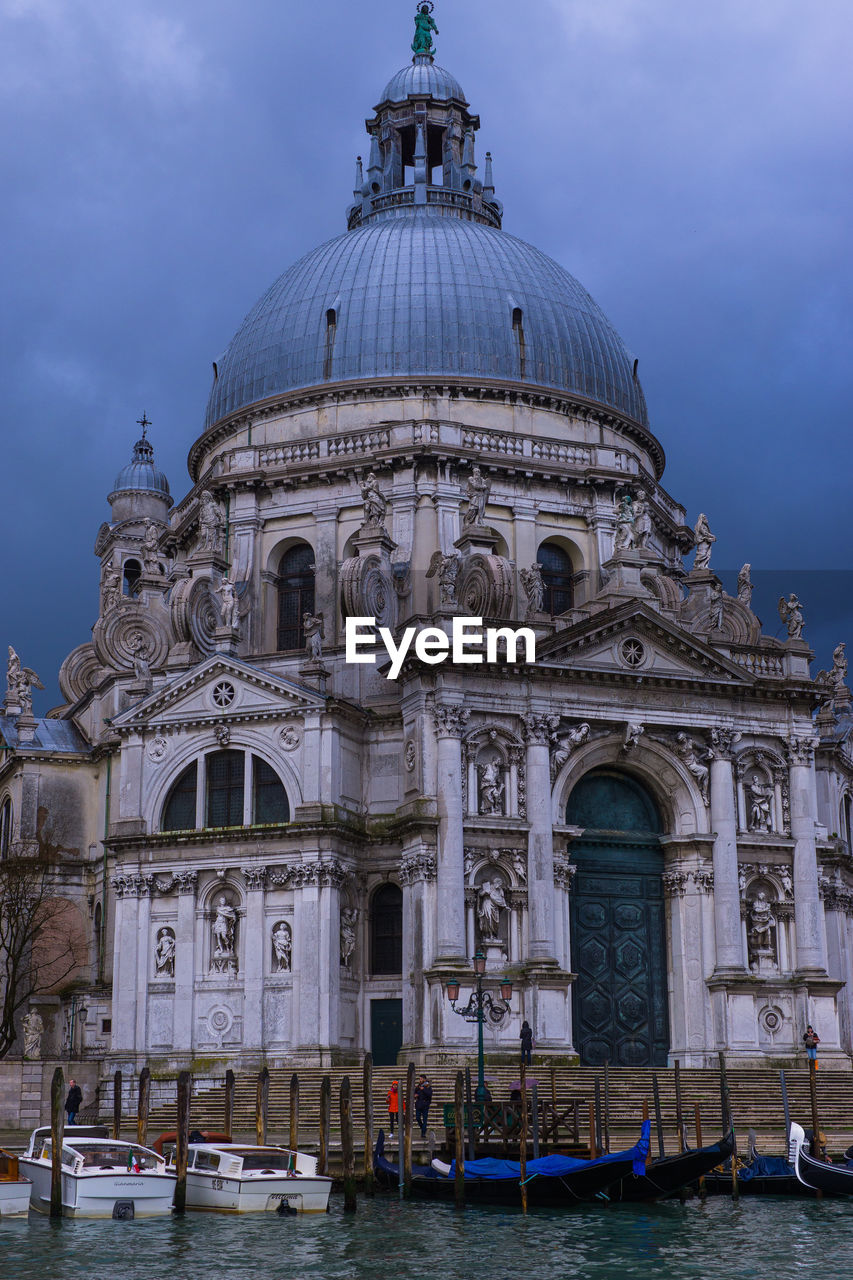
<point x="753" y="1240"/>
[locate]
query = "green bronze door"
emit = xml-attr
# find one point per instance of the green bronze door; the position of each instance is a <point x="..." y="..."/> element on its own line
<point x="618" y="924"/>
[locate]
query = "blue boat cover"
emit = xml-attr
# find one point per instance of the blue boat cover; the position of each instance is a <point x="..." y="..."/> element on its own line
<point x="766" y="1167"/>
<point x="554" y="1166"/>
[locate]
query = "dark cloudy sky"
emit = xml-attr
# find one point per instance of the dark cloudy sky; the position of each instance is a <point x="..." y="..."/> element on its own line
<point x="164" y="161"/>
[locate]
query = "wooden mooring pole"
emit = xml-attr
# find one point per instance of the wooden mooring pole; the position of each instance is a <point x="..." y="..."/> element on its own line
<point x="593" y="1148"/>
<point x="408" y="1109"/>
<point x="117" y="1106"/>
<point x="294" y="1112"/>
<point x="534" y="1116"/>
<point x="262" y="1099"/>
<point x="325" y="1122"/>
<point x="599" y="1143"/>
<point x="469" y="1102"/>
<point x="607" y="1107"/>
<point x="367" y="1080"/>
<point x="786" y="1109"/>
<point x="185" y="1088"/>
<point x="726" y="1108"/>
<point x="347" y="1149"/>
<point x="679" y="1114"/>
<point x="816" y="1152"/>
<point x="228" y="1124"/>
<point x="142" y="1107"/>
<point x="522" y="1149"/>
<point x="697" y="1117"/>
<point x="57" y="1128"/>
<point x="658" y="1116"/>
<point x="459" y="1135"/>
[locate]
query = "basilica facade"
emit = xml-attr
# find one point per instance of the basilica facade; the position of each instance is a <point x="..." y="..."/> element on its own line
<point x="279" y="854"/>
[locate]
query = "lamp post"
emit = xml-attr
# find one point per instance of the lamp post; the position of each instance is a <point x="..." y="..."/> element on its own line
<point x="481" y="1005"/>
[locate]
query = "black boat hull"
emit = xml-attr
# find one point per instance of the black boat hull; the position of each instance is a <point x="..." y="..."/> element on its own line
<point x="667" y="1176"/>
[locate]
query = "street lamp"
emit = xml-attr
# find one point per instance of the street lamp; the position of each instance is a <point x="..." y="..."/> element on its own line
<point x="480" y="1006"/>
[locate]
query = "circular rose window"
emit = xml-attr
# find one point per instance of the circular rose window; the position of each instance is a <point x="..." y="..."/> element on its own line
<point x="632" y="653"/>
<point x="223" y="693"/>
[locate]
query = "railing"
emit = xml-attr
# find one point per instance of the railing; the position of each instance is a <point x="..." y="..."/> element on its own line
<point x="759" y="662"/>
<point x="500" y="1122"/>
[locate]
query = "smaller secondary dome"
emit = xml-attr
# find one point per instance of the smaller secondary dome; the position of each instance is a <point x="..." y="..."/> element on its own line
<point x="423" y="77"/>
<point x="141" y="475"/>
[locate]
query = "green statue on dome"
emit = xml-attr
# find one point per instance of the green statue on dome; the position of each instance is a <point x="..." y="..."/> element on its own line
<point x="422" y="45"/>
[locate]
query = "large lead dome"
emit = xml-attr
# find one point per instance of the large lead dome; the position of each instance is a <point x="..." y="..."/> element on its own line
<point x="425" y="283"/>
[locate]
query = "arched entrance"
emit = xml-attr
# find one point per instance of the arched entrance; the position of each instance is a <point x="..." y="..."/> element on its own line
<point x="618" y="924"/>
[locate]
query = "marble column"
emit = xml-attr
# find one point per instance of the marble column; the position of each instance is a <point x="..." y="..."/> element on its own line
<point x="808" y="915"/>
<point x="125" y="958"/>
<point x="182" y="1033"/>
<point x="255" y="946"/>
<point x="450" y="720"/>
<point x="727" y="922"/>
<point x="143" y="942"/>
<point x="540" y="841"/>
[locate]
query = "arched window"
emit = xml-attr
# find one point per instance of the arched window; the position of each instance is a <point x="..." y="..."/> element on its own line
<point x="179" y="814"/>
<point x="270" y="797"/>
<point x="556" y="576"/>
<point x="99" y="916"/>
<point x="847" y="823"/>
<point x="5" y="826"/>
<point x="131" y="573"/>
<point x="295" y="595"/>
<point x="223" y="776"/>
<point x="386" y="930"/>
<point x="518" y="331"/>
<point x="331" y="330"/>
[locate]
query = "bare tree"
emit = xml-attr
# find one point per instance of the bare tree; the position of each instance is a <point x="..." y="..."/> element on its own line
<point x="41" y="945"/>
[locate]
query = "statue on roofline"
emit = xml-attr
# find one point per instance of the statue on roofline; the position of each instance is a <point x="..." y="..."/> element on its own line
<point x="422" y="45"/>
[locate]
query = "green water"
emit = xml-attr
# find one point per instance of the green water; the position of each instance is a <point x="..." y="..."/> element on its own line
<point x="773" y="1240"/>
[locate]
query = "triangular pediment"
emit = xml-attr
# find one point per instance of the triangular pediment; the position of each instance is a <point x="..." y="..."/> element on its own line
<point x="220" y="688"/>
<point x="635" y="640"/>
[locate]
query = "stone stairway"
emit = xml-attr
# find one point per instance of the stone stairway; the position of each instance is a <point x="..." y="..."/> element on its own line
<point x="756" y="1102"/>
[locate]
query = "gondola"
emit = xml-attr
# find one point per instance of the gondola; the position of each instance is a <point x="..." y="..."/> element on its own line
<point x="761" y="1176"/>
<point x="817" y="1175"/>
<point x="551" y="1181"/>
<point x="668" y="1175"/>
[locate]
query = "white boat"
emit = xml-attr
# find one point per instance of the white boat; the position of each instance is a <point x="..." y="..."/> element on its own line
<point x="14" y="1190"/>
<point x="236" y="1178"/>
<point x="101" y="1177"/>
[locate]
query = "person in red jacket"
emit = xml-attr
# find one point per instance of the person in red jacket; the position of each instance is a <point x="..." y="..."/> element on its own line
<point x="393" y="1105"/>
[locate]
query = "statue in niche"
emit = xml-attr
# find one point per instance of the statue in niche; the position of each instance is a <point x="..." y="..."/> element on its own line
<point x="759" y="797"/>
<point x="422" y="45"/>
<point x="491" y="901"/>
<point x="33" y="1028"/>
<point x="477" y="493"/>
<point x="744" y="586"/>
<point x="314" y="627"/>
<point x="224" y="930"/>
<point x="141" y="665"/>
<point x="447" y="568"/>
<point x="625" y="539"/>
<point x="642" y="522"/>
<point x="164" y="953"/>
<point x="791" y="613"/>
<point x="110" y="588"/>
<point x="686" y="751"/>
<point x="229" y="606"/>
<point x="716" y="619"/>
<point x="704" y="540"/>
<point x="760" y="928"/>
<point x="534" y="589"/>
<point x="349" y="917"/>
<point x="211" y="523"/>
<point x="491" y="787"/>
<point x="282" y="947"/>
<point x="519" y="865"/>
<point x="151" y="549"/>
<point x="375" y="502"/>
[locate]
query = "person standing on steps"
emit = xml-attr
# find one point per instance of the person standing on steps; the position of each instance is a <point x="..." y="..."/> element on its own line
<point x="423" y="1099"/>
<point x="393" y="1105"/>
<point x="526" y="1043"/>
<point x="73" y="1102"/>
<point x="811" y="1040"/>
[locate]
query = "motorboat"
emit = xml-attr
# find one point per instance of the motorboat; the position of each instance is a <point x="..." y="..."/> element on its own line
<point x="818" y="1175"/>
<point x="14" y="1190"/>
<point x="668" y="1175"/>
<point x="551" y="1180"/>
<point x="102" y="1177"/>
<point x="232" y="1177"/>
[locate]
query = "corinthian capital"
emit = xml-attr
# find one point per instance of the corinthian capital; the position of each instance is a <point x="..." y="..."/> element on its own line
<point x="539" y="729"/>
<point x="801" y="750"/>
<point x="723" y="743"/>
<point x="450" y="719"/>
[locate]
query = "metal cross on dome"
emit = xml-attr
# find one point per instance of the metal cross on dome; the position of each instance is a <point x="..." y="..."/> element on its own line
<point x="144" y="423"/>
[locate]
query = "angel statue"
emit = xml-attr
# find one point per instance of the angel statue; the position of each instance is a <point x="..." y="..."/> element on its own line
<point x="704" y="540"/>
<point x="27" y="681"/>
<point x="447" y="569"/>
<point x="422" y="45"/>
<point x="791" y="613"/>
